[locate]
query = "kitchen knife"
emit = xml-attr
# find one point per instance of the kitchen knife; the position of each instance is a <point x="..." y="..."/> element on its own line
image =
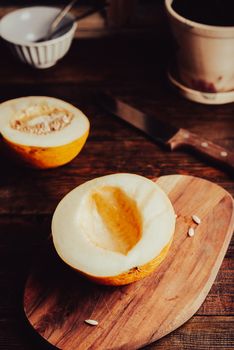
<point x="165" y="133"/>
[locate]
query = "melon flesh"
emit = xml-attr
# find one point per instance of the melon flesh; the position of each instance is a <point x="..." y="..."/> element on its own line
<point x="112" y="225"/>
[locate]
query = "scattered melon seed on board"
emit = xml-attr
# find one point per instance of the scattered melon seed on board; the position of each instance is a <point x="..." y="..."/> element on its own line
<point x="43" y="132"/>
<point x="125" y="222"/>
<point x="191" y="231"/>
<point x="196" y="219"/>
<point x="92" y="322"/>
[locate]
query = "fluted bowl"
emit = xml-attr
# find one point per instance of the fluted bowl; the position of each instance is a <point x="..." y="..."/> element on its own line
<point x="22" y="28"/>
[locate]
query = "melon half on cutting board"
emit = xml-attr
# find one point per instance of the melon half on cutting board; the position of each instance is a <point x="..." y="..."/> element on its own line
<point x="42" y="132"/>
<point x="118" y="228"/>
<point x="57" y="300"/>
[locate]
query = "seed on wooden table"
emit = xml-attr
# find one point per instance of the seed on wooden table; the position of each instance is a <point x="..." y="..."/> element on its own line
<point x="92" y="322"/>
<point x="191" y="232"/>
<point x="196" y="219"/>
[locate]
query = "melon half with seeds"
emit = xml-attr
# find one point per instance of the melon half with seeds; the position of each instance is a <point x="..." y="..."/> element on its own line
<point x="44" y="132"/>
<point x="114" y="229"/>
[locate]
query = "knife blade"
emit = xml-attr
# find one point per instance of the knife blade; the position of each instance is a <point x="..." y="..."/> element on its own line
<point x="164" y="133"/>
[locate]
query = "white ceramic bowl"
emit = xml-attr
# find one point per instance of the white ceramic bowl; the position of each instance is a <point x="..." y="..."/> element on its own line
<point x="22" y="27"/>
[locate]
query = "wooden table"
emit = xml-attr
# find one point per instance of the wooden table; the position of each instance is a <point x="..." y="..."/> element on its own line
<point x="132" y="67"/>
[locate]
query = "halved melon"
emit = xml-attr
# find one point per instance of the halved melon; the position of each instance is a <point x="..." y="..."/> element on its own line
<point x="114" y="229"/>
<point x="44" y="132"/>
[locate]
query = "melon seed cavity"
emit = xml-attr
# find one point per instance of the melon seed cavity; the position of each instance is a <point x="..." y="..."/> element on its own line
<point x="41" y="119"/>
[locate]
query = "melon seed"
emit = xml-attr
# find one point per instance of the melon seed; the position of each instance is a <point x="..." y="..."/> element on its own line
<point x="196" y="219"/>
<point x="92" y="322"/>
<point x="191" y="232"/>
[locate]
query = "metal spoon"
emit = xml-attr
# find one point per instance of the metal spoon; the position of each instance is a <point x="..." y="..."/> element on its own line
<point x="67" y="25"/>
<point x="61" y="15"/>
<point x="56" y="21"/>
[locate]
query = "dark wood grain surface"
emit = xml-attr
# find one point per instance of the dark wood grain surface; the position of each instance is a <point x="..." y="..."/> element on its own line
<point x="132" y="67"/>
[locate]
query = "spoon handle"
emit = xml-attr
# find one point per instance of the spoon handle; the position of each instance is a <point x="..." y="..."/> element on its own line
<point x="78" y="18"/>
<point x="61" y="15"/>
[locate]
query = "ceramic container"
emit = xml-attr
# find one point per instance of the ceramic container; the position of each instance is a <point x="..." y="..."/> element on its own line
<point x="205" y="54"/>
<point x="22" y="27"/>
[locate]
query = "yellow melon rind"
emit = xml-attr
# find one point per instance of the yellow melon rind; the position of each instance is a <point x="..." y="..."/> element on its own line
<point x="46" y="157"/>
<point x="134" y="274"/>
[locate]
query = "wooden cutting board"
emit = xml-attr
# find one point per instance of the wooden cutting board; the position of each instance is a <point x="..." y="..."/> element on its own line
<point x="57" y="300"/>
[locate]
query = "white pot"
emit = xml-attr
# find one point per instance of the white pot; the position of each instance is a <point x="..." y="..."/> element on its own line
<point x="205" y="53"/>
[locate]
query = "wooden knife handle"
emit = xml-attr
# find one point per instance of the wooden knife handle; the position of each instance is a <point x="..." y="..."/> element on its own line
<point x="219" y="154"/>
